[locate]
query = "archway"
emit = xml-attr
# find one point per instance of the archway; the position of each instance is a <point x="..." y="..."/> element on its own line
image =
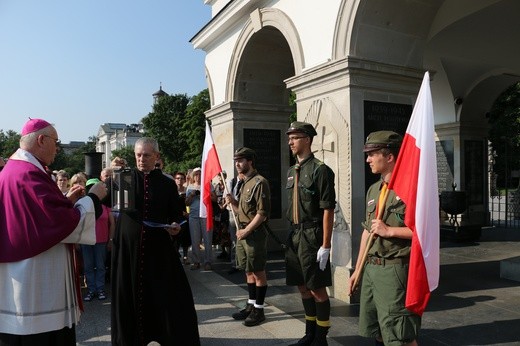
<point x="256" y="114"/>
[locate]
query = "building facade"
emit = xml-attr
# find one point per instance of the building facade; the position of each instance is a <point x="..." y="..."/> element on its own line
<point x="112" y="136"/>
<point x="355" y="66"/>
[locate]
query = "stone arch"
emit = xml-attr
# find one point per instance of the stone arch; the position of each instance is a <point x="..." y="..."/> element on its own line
<point x="210" y="87"/>
<point x="343" y="28"/>
<point x="384" y="30"/>
<point x="261" y="18"/>
<point x="478" y="99"/>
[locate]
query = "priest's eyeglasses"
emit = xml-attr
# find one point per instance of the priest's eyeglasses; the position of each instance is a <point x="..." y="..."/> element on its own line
<point x="56" y="140"/>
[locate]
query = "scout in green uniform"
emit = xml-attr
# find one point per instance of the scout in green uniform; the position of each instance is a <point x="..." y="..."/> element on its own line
<point x="383" y="315"/>
<point x="312" y="198"/>
<point x="252" y="210"/>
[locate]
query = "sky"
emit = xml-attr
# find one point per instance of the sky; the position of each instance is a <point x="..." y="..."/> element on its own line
<point x="79" y="64"/>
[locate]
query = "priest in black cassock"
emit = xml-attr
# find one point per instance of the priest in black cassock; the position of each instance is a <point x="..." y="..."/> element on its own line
<point x="151" y="296"/>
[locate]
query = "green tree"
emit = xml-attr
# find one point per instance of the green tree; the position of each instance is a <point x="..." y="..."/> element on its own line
<point x="164" y="124"/>
<point x="126" y="153"/>
<point x="75" y="162"/>
<point x="177" y="122"/>
<point x="504" y="132"/>
<point x="292" y="102"/>
<point x="9" y="142"/>
<point x="193" y="129"/>
<point x="61" y="161"/>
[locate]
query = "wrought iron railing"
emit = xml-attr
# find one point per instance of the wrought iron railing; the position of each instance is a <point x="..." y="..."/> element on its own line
<point x="504" y="209"/>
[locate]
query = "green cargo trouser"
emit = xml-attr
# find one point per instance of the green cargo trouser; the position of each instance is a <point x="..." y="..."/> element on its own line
<point x="382" y="305"/>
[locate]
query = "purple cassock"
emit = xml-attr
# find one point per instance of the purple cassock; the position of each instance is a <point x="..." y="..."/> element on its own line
<point x="34" y="214"/>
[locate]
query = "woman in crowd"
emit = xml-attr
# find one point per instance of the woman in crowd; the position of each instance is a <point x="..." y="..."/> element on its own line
<point x="198" y="230"/>
<point x="94" y="256"/>
<point x="183" y="239"/>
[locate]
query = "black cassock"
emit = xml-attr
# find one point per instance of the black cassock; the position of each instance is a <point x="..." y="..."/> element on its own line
<point x="151" y="295"/>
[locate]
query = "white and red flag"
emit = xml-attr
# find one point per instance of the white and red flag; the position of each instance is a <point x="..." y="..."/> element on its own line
<point x="210" y="168"/>
<point x="414" y="180"/>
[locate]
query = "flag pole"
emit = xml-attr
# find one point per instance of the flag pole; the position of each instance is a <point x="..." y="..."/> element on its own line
<point x="210" y="169"/>
<point x="380" y="213"/>
<point x="228" y="193"/>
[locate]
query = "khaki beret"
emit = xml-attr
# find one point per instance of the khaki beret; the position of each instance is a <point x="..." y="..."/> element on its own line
<point x="382" y="139"/>
<point x="245" y="153"/>
<point x="302" y="127"/>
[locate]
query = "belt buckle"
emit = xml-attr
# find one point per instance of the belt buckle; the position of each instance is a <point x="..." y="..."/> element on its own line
<point x="376" y="261"/>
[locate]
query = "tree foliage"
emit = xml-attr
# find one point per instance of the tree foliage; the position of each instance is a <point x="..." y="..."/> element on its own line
<point x="164" y="124"/>
<point x="177" y="123"/>
<point x="292" y="102"/>
<point x="126" y="153"/>
<point x="75" y="161"/>
<point x="504" y="133"/>
<point x="9" y="143"/>
<point x="194" y="129"/>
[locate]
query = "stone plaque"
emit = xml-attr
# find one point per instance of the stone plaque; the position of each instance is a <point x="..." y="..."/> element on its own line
<point x="384" y="116"/>
<point x="445" y="164"/>
<point x="266" y="143"/>
<point x="474" y="166"/>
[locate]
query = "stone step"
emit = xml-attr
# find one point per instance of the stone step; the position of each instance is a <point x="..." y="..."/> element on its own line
<point x="510" y="268"/>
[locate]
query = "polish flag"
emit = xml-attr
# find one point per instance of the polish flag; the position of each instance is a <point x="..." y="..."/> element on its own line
<point x="210" y="168"/>
<point x="414" y="180"/>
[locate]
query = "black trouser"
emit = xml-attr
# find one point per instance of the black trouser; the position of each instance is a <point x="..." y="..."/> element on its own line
<point x="62" y="337"/>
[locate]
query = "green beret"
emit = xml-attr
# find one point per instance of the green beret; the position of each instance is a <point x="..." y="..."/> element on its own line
<point x="382" y="139"/>
<point x="245" y="153"/>
<point x="92" y="181"/>
<point x="302" y="127"/>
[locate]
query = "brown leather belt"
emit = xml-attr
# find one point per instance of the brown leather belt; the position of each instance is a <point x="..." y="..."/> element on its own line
<point x="387" y="261"/>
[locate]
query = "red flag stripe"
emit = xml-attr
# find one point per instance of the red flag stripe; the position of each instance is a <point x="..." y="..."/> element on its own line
<point x="210" y="168"/>
<point x="414" y="180"/>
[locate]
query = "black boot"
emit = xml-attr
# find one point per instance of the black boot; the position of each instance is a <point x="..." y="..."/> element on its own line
<point x="255" y="317"/>
<point x="242" y="314"/>
<point x="310" y="332"/>
<point x="321" y="336"/>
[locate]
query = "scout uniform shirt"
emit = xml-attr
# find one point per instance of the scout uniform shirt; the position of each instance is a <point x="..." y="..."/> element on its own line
<point x="393" y="216"/>
<point x="254" y="198"/>
<point x="316" y="191"/>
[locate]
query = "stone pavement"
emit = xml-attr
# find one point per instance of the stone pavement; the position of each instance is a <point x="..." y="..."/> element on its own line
<point x="472" y="306"/>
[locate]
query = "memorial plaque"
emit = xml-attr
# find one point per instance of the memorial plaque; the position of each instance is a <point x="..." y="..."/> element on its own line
<point x="445" y="164"/>
<point x="384" y="116"/>
<point x="266" y="143"/>
<point x="474" y="166"/>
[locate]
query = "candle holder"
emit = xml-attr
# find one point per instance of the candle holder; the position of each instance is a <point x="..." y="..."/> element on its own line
<point x="123" y="190"/>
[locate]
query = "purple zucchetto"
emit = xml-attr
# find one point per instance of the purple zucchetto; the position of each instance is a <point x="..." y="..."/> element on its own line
<point x="33" y="125"/>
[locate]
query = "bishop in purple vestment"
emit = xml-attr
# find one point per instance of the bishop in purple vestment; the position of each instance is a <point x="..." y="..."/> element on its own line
<point x="38" y="227"/>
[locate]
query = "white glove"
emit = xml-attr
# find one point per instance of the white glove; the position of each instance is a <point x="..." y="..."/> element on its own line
<point x="323" y="257"/>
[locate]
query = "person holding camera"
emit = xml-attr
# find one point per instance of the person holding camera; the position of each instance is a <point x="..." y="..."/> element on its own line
<point x="198" y="231"/>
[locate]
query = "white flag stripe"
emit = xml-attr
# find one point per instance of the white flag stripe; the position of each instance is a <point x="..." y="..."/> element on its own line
<point x="427" y="222"/>
<point x="208" y="143"/>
